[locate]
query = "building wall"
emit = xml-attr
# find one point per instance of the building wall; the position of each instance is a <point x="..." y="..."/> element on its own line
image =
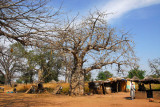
<point x="123" y="86"/>
<point x="128" y="87"/>
<point x="143" y="94"/>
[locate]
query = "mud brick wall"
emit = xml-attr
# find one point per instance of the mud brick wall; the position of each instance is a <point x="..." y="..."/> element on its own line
<point x="143" y="95"/>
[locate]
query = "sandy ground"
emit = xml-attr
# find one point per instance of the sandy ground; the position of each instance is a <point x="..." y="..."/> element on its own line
<point x="121" y="99"/>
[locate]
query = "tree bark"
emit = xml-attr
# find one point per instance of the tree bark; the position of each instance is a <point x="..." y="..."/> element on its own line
<point x="7" y="80"/>
<point x="40" y="75"/>
<point x="77" y="82"/>
<point x="67" y="76"/>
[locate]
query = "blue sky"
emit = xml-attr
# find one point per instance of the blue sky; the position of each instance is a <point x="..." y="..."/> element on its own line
<point x="140" y="17"/>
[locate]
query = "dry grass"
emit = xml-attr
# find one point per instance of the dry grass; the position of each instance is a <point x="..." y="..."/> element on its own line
<point x="23" y="87"/>
<point x="7" y="87"/>
<point x="51" y="86"/>
<point x="153" y="86"/>
<point x="20" y="87"/>
<point x="48" y="86"/>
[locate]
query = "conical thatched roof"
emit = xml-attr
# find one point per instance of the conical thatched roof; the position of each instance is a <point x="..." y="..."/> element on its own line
<point x="135" y="78"/>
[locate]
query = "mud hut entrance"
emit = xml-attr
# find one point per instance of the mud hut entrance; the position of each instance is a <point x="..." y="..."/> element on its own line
<point x="118" y="86"/>
<point x="110" y="85"/>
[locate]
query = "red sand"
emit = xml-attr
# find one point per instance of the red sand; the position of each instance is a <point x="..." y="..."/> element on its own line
<point x="47" y="100"/>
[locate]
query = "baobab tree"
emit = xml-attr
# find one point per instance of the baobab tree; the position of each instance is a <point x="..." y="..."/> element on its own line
<point x="9" y="64"/>
<point x="93" y="44"/>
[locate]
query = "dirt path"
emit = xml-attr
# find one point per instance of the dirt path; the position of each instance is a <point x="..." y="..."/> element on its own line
<point x="48" y="100"/>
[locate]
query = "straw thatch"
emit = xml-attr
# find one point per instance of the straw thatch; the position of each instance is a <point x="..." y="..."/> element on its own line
<point x="135" y="79"/>
<point x="150" y="80"/>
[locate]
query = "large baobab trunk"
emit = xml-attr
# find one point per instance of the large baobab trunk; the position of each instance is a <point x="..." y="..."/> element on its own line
<point x="40" y="75"/>
<point x="77" y="82"/>
<point x="7" y="77"/>
<point x="7" y="80"/>
<point x="67" y="76"/>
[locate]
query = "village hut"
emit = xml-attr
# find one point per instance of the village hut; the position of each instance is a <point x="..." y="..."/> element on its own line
<point x="129" y="81"/>
<point x="117" y="84"/>
<point x="96" y="87"/>
<point x="148" y="93"/>
<point x="151" y="80"/>
<point x="110" y="85"/>
<point x="135" y="79"/>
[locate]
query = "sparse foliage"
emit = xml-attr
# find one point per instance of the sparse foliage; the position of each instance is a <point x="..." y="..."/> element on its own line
<point x="29" y="70"/>
<point x="93" y="44"/>
<point x="27" y="21"/>
<point x="49" y="63"/>
<point x="155" y="66"/>
<point x="9" y="64"/>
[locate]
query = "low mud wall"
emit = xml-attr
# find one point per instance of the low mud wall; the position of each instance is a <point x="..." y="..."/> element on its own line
<point x="143" y="94"/>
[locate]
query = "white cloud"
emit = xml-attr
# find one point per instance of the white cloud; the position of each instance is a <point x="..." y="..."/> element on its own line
<point x="120" y="7"/>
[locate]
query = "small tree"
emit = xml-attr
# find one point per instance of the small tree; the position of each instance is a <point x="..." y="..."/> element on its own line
<point x="104" y="75"/>
<point x="136" y="72"/>
<point x="49" y="63"/>
<point x="155" y="67"/>
<point x="108" y="74"/>
<point x="101" y="76"/>
<point x="27" y="76"/>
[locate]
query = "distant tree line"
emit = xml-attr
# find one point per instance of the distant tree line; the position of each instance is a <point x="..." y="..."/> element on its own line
<point x="23" y="64"/>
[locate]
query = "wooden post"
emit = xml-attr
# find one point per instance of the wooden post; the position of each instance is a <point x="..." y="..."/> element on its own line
<point x="103" y="88"/>
<point x="117" y="86"/>
<point x="150" y="94"/>
<point x="150" y="86"/>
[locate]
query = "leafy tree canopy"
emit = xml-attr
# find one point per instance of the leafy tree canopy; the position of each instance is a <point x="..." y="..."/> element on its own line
<point x="104" y="75"/>
<point x="136" y="72"/>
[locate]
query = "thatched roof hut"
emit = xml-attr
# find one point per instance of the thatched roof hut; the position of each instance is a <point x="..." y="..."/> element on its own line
<point x="146" y="80"/>
<point x="135" y="79"/>
<point x="151" y="80"/>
